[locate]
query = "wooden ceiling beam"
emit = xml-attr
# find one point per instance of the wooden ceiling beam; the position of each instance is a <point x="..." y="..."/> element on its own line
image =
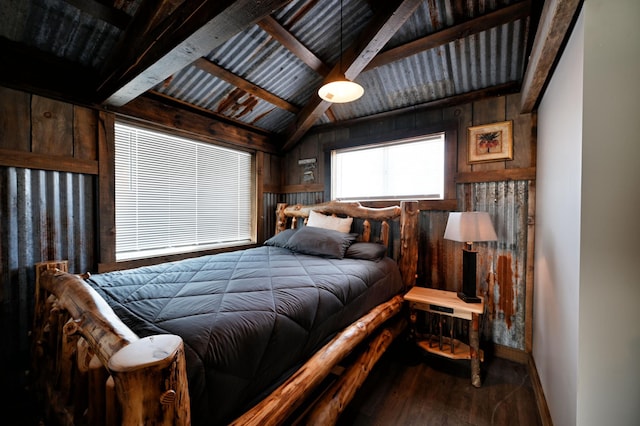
<point x="192" y="30"/>
<point x="382" y="27"/>
<point x="555" y="23"/>
<point x="235" y="80"/>
<point x="284" y="37"/>
<point x="111" y="15"/>
<point x="474" y="26"/>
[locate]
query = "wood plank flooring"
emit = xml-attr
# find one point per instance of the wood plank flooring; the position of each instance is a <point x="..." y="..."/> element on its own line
<point x="409" y="387"/>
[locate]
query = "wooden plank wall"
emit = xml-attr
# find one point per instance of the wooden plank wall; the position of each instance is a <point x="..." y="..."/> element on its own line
<point x="504" y="188"/>
<point x="48" y="181"/>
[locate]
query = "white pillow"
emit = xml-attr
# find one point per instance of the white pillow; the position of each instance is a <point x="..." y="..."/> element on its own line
<point x="320" y="220"/>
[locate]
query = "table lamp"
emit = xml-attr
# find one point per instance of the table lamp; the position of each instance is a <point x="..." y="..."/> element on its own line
<point x="469" y="227"/>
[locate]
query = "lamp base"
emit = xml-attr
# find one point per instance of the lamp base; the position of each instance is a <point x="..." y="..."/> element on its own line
<point x="468" y="299"/>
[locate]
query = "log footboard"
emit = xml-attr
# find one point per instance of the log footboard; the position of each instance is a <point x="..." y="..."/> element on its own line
<point x="92" y="369"/>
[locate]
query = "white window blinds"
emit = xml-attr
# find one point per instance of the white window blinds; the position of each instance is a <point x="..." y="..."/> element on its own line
<point x="177" y="195"/>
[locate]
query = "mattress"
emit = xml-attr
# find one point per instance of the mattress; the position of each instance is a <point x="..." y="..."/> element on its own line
<point x="248" y="318"/>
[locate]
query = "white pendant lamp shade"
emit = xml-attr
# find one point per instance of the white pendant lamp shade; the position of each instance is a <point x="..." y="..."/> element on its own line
<point x="341" y="91"/>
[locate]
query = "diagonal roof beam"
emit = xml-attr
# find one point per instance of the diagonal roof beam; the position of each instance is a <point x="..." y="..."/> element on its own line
<point x="193" y="30"/>
<point x="354" y="60"/>
<point x="477" y="25"/>
<point x="235" y="80"/>
<point x="285" y="38"/>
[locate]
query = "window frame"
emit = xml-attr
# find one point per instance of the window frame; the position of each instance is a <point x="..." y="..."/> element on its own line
<point x="450" y="130"/>
<point x="219" y="248"/>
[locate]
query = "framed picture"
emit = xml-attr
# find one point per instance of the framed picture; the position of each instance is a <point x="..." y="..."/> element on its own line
<point x="490" y="142"/>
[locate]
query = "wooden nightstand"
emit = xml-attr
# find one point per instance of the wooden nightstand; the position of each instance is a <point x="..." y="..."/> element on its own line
<point x="446" y="303"/>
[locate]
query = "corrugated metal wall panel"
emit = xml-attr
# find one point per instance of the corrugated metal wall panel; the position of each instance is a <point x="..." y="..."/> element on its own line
<point x="45" y="215"/>
<point x="501" y="265"/>
<point x="507" y="203"/>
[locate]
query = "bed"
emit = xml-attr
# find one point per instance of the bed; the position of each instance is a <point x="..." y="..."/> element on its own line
<point x="267" y="335"/>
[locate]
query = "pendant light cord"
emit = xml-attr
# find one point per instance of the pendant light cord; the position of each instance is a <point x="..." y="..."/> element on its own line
<point x="341" y="72"/>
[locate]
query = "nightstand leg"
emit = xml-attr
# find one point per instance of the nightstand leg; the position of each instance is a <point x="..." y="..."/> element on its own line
<point x="474" y="343"/>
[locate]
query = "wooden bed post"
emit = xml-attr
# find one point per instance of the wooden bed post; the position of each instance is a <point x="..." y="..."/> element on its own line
<point x="281" y="219"/>
<point x="149" y="374"/>
<point x="408" y="259"/>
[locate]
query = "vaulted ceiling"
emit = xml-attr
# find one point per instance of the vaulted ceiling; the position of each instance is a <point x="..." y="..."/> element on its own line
<point x="259" y="64"/>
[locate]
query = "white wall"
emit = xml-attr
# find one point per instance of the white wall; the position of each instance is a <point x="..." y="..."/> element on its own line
<point x="557" y="239"/>
<point x="590" y="274"/>
<point x="609" y="361"/>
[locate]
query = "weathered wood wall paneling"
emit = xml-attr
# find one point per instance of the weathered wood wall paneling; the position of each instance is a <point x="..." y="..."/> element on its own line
<point x="269" y="203"/>
<point x="46" y="215"/>
<point x="15" y="119"/>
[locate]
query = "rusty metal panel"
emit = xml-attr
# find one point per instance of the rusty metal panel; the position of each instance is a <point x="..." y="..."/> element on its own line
<point x="502" y="271"/>
<point x="482" y="60"/>
<point x="501" y="265"/>
<point x="45" y="215"/>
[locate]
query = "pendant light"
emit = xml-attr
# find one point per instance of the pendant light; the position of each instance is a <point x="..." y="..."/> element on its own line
<point x="340" y="90"/>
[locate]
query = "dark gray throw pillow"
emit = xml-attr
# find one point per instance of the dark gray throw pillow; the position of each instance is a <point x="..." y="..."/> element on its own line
<point x="281" y="238"/>
<point x="366" y="251"/>
<point x="320" y="242"/>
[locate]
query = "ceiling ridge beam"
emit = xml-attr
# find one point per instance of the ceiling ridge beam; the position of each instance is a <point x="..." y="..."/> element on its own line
<point x="217" y="71"/>
<point x="485" y="22"/>
<point x="383" y="26"/>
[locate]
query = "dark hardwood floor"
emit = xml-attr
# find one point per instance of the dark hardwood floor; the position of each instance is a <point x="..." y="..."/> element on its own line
<point x="409" y="387"/>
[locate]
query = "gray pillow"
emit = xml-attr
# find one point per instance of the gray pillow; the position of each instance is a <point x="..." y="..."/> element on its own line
<point x="366" y="251"/>
<point x="320" y="242"/>
<point x="281" y="238"/>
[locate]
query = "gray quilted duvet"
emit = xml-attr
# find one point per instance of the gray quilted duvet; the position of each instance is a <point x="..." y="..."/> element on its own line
<point x="248" y="318"/>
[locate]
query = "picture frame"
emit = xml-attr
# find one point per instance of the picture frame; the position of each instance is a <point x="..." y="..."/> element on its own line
<point x="490" y="142"/>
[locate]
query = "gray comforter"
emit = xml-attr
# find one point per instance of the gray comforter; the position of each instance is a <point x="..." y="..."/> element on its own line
<point x="248" y="318"/>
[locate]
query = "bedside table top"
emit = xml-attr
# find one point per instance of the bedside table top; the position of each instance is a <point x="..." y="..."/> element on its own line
<point x="448" y="299"/>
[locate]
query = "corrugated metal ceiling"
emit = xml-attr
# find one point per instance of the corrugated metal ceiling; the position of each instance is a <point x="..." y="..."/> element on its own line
<point x="90" y="33"/>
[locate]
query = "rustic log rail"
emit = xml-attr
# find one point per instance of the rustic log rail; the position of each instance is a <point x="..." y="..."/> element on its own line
<point x="151" y="368"/>
<point x="92" y="369"/>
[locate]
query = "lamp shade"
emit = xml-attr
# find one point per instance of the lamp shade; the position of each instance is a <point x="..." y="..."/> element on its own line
<point x="468" y="227"/>
<point x="340" y="91"/>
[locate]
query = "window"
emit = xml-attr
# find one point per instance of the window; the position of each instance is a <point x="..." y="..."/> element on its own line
<point x="405" y="169"/>
<point x="176" y="195"/>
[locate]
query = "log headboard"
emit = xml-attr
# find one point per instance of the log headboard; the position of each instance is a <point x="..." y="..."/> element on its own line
<point x="405" y="250"/>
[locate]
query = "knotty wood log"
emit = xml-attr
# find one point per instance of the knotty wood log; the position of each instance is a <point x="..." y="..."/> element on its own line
<point x="97" y="408"/>
<point x="408" y="261"/>
<point x="95" y="319"/>
<point x="149" y="374"/>
<point x="150" y="377"/>
<point x="275" y="408"/>
<point x="353" y="209"/>
<point x="332" y="404"/>
<point x="366" y="231"/>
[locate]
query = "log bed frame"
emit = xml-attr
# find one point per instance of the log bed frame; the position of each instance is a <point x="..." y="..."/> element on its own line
<point x="90" y="368"/>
